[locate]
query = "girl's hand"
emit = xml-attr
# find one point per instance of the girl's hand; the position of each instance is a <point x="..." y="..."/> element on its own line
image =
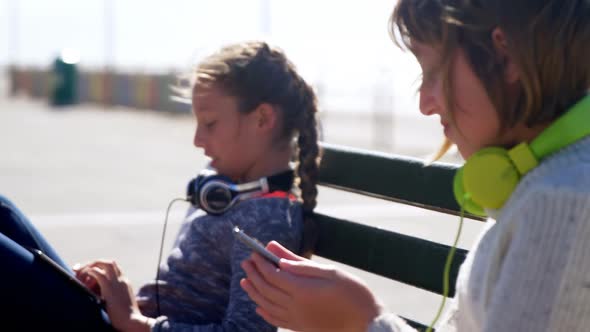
<point x="307" y="296"/>
<point x="85" y="278"/>
<point x="118" y="295"/>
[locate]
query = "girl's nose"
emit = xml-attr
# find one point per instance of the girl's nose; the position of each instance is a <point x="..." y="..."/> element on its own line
<point x="198" y="140"/>
<point x="426" y="108"/>
<point x="429" y="101"/>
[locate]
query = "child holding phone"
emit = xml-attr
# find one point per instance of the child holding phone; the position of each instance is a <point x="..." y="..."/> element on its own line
<point x="250" y="104"/>
<point x="510" y="82"/>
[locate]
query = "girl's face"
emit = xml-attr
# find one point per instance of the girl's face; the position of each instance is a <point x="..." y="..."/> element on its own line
<point x="473" y="123"/>
<point x="226" y="135"/>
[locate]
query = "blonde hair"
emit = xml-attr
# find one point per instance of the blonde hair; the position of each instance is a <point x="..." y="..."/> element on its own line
<point x="256" y="73"/>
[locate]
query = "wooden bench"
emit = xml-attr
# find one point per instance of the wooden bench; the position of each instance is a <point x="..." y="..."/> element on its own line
<point x="404" y="258"/>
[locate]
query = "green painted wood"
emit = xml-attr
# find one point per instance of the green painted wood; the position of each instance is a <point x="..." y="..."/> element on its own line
<point x="392" y="177"/>
<point x="404" y="258"/>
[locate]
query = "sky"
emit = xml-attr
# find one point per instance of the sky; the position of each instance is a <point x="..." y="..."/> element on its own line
<point x="341" y="46"/>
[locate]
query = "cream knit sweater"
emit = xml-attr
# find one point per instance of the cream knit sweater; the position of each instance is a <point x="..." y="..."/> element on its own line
<point x="530" y="269"/>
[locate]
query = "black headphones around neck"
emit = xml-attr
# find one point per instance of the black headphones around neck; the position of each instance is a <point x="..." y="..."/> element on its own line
<point x="216" y="194"/>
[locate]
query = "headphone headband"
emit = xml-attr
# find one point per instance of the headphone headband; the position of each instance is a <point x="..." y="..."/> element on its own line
<point x="569" y="128"/>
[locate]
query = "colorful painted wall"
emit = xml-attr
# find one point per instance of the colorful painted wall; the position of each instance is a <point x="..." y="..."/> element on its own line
<point x="144" y="91"/>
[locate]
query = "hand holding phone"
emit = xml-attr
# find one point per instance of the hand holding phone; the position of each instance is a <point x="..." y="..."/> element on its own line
<point x="256" y="246"/>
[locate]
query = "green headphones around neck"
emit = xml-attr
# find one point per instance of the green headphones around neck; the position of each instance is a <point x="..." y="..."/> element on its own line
<point x="490" y="175"/>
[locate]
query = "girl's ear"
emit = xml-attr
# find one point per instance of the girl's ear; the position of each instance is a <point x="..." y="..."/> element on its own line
<point x="266" y="117"/>
<point x="511" y="73"/>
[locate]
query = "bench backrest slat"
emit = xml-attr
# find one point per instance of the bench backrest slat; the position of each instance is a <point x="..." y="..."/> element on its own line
<point x="404" y="258"/>
<point x="391" y="177"/>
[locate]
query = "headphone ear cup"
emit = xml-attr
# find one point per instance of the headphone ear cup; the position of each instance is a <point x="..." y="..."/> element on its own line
<point x="489" y="177"/>
<point x="192" y="190"/>
<point x="195" y="186"/>
<point x="216" y="197"/>
<point x="463" y="198"/>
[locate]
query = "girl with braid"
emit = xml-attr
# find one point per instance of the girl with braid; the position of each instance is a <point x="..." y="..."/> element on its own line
<point x="254" y="114"/>
<point x="250" y="104"/>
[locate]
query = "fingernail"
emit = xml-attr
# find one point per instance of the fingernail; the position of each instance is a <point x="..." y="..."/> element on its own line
<point x="76" y="266"/>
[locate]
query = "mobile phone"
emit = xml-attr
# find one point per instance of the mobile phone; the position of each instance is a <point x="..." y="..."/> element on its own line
<point x="71" y="278"/>
<point x="256" y="246"/>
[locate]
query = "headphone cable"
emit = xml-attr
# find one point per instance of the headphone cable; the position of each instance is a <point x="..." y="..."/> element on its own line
<point x="447" y="270"/>
<point x="160" y="253"/>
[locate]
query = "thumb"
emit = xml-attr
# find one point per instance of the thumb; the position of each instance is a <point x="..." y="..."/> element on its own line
<point x="76" y="268"/>
<point x="307" y="268"/>
<point x="282" y="252"/>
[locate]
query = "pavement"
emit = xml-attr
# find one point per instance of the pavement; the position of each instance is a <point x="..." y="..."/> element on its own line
<point x="96" y="181"/>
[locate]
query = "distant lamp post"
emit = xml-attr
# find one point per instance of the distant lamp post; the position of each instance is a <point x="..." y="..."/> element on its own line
<point x="13" y="45"/>
<point x="14" y="37"/>
<point x="109" y="34"/>
<point x="265" y="18"/>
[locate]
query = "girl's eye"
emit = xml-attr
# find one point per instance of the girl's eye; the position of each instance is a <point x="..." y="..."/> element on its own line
<point x="210" y="124"/>
<point x="429" y="77"/>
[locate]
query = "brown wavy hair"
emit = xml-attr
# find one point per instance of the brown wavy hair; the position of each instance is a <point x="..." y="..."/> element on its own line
<point x="548" y="40"/>
<point x="256" y="73"/>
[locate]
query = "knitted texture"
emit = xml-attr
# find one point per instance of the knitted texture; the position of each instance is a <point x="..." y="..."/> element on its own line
<point x="530" y="269"/>
<point x="199" y="286"/>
